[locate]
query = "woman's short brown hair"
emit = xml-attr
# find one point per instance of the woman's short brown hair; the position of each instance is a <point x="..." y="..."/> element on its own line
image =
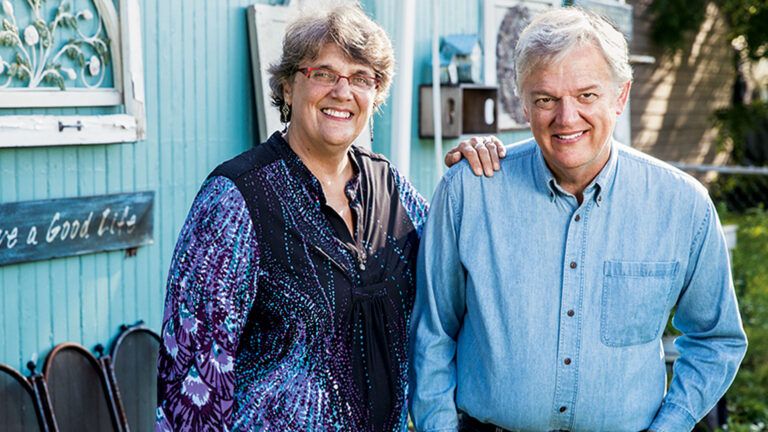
<point x="361" y="39"/>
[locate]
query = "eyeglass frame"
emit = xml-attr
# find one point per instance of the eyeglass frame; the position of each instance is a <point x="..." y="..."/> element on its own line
<point x="306" y="71"/>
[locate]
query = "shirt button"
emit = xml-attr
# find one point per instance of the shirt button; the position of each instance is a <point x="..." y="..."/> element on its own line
<point x="573" y="264"/>
<point x="563" y="409"/>
<point x="567" y="361"/>
<point x="571" y="312"/>
<point x="577" y="218"/>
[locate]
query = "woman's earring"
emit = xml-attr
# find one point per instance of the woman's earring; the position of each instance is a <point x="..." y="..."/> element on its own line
<point x="370" y="128"/>
<point x="285" y="116"/>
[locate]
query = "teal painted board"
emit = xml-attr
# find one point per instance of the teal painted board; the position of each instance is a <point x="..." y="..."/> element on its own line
<point x="69" y="319"/>
<point x="168" y="89"/>
<point x="56" y="187"/>
<point x="199" y="113"/>
<point x="454" y="16"/>
<point x="148" y="165"/>
<point x="10" y="349"/>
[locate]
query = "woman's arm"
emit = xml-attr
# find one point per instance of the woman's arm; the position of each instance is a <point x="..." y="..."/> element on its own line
<point x="211" y="286"/>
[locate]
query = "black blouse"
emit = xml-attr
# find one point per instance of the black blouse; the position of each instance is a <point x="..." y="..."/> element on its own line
<point x="321" y="339"/>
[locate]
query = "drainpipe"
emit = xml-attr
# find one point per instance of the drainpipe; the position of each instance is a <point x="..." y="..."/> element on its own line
<point x="403" y="97"/>
<point x="437" y="112"/>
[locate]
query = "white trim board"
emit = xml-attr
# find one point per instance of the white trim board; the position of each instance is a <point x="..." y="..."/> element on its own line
<point x="36" y="131"/>
<point x="46" y="98"/>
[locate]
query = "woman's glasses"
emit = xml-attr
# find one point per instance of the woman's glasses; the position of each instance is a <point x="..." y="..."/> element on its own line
<point x="327" y="77"/>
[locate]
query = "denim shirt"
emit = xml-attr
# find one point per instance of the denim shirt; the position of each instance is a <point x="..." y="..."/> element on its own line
<point x="534" y="312"/>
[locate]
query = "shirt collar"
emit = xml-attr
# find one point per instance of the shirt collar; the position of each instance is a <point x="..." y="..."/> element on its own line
<point x="545" y="181"/>
<point x="547" y="184"/>
<point x="604" y="180"/>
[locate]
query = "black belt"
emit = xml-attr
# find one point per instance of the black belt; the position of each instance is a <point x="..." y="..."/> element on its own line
<point x="471" y="424"/>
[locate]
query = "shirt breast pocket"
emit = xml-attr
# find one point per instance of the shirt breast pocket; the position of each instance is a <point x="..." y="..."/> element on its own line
<point x="634" y="302"/>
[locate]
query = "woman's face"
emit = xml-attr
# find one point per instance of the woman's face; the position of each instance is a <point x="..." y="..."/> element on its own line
<point x="326" y="118"/>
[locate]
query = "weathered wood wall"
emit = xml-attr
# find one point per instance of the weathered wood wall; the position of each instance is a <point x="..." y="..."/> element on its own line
<point x="673" y="99"/>
<point x="199" y="112"/>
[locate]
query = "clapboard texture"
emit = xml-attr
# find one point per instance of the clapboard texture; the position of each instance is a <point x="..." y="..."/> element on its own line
<point x="455" y="17"/>
<point x="199" y="112"/>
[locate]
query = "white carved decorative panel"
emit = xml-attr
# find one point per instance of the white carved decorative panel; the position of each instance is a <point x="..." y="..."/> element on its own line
<point x="69" y="53"/>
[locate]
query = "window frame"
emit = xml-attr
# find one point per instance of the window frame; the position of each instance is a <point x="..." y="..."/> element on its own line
<point x="124" y="32"/>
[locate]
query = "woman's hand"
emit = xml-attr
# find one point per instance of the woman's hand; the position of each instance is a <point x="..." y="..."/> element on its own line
<point x="482" y="153"/>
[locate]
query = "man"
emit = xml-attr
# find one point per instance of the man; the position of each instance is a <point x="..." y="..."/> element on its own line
<point x="543" y="292"/>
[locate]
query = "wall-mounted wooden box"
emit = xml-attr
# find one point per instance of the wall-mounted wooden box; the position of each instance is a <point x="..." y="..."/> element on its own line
<point x="466" y="109"/>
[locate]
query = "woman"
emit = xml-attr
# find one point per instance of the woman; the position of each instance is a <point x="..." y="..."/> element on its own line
<point x="293" y="278"/>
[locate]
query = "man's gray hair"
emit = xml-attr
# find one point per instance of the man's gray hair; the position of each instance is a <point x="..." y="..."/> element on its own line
<point x="551" y="35"/>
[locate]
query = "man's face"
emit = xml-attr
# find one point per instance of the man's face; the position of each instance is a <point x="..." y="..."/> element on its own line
<point x="572" y="106"/>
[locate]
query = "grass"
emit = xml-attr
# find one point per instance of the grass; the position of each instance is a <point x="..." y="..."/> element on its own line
<point x="748" y="396"/>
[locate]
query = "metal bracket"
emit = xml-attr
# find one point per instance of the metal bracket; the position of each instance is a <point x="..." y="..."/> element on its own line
<point x="78" y="126"/>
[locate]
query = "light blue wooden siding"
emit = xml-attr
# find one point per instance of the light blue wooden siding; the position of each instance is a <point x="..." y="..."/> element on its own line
<point x="199" y="113"/>
<point x="454" y="16"/>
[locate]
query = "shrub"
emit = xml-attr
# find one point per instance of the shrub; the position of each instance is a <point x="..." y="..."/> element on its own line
<point x="748" y="396"/>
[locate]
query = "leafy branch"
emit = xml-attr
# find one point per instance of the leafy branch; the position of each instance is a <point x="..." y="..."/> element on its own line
<point x="675" y="20"/>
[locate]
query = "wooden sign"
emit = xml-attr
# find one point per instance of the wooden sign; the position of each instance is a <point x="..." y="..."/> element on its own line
<point x="38" y="230"/>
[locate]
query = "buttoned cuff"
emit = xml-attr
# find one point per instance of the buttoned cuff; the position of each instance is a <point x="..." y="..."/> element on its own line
<point x="673" y="418"/>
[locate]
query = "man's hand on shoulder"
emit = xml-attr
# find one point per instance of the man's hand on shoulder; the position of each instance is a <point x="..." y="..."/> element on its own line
<point x="482" y="153"/>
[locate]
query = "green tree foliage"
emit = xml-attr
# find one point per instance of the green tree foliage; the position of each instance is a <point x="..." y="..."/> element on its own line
<point x="748" y="397"/>
<point x="736" y="124"/>
<point x="675" y="20"/>
<point x="749" y="18"/>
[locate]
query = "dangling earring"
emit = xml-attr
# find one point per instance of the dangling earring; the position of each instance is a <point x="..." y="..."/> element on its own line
<point x="370" y="127"/>
<point x="285" y="116"/>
